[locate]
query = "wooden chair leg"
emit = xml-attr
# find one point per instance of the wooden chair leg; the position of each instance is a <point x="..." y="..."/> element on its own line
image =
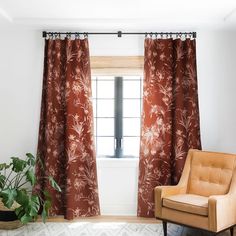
<point x="164" y="224"/>
<point x="232" y="231"/>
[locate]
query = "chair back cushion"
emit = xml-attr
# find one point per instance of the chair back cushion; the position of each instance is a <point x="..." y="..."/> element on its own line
<point x="210" y="173"/>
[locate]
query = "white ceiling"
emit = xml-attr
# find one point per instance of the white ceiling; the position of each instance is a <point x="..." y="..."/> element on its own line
<point x="142" y="15"/>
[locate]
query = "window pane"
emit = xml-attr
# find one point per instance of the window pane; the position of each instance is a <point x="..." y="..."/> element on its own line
<point x="131" y="107"/>
<point x="131" y="89"/>
<point x="131" y="146"/>
<point x="105" y="126"/>
<point x="94" y="107"/>
<point x="105" y="89"/>
<point x="94" y="125"/>
<point x="94" y="94"/>
<point x="105" y="108"/>
<point x="105" y="146"/>
<point x="131" y="126"/>
<point x="141" y="88"/>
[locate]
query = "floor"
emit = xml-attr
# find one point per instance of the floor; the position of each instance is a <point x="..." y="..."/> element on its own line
<point x="103" y="226"/>
<point x="173" y="230"/>
<point x="194" y="232"/>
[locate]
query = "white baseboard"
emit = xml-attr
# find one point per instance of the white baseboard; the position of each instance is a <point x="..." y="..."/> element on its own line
<point x="119" y="210"/>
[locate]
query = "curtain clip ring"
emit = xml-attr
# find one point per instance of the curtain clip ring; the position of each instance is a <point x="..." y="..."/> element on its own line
<point x="77" y="36"/>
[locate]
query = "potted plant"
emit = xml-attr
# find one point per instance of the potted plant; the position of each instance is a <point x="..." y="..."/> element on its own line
<point x="19" y="204"/>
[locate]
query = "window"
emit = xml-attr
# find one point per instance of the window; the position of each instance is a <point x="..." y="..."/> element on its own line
<point x="117" y="109"/>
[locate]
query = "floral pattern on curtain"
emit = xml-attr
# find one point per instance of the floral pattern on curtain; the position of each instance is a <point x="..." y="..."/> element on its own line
<point x="170" y="117"/>
<point x="66" y="139"/>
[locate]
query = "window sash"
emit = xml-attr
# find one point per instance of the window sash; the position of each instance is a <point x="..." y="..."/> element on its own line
<point x="118" y="114"/>
<point x="118" y="117"/>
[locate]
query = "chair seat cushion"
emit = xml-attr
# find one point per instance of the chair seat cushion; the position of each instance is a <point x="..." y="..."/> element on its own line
<point x="194" y="204"/>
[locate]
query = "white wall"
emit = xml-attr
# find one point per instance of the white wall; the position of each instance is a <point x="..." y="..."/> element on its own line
<point x="21" y="62"/>
<point x="117" y="179"/>
<point x="217" y="90"/>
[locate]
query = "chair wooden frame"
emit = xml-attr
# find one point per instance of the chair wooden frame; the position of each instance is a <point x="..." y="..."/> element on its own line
<point x="164" y="224"/>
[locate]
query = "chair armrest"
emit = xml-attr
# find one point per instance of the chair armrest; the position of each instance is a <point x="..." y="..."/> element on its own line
<point x="180" y="188"/>
<point x="221" y="211"/>
<point x="165" y="191"/>
<point x="222" y="208"/>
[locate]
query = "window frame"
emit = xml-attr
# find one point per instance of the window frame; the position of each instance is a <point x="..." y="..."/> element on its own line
<point x="118" y="117"/>
<point x="118" y="67"/>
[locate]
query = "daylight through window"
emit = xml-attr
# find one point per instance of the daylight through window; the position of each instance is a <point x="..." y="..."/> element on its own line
<point x="117" y="105"/>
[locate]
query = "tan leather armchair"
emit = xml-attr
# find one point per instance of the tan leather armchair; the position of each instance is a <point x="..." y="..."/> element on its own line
<point x="205" y="196"/>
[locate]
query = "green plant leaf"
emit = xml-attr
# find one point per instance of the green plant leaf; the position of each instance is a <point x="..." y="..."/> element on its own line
<point x="22" y="197"/>
<point x="19" y="211"/>
<point x="39" y="160"/>
<point x="46" y="206"/>
<point x="34" y="205"/>
<point x="54" y="184"/>
<point x="47" y="195"/>
<point x="30" y="155"/>
<point x="2" y="181"/>
<point x="30" y="176"/>
<point x="18" y="164"/>
<point x="29" y="206"/>
<point x="8" y="197"/>
<point x="31" y="159"/>
<point x="29" y="203"/>
<point x="4" y="166"/>
<point x="25" y="218"/>
<point x="44" y="214"/>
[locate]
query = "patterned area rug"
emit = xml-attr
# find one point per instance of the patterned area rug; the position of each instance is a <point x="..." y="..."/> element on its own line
<point x="86" y="229"/>
<point x="102" y="229"/>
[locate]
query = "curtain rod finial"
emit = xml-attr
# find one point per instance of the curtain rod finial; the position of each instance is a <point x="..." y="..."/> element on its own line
<point x="44" y="33"/>
<point x="194" y="35"/>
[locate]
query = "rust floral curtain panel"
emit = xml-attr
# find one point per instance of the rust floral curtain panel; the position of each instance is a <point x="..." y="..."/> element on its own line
<point x="66" y="141"/>
<point x="170" y="118"/>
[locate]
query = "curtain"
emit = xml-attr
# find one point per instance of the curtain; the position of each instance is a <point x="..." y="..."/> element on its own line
<point x="170" y="117"/>
<point x="66" y="140"/>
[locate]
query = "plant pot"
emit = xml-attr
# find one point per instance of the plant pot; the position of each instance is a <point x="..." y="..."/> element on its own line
<point x="8" y="218"/>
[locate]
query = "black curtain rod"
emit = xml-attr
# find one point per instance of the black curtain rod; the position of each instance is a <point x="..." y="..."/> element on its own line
<point x="119" y="33"/>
